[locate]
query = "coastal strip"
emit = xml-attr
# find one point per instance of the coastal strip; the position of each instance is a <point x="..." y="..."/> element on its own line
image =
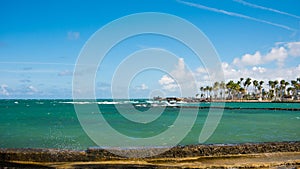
<point x="234" y="155"/>
<point x="238" y="108"/>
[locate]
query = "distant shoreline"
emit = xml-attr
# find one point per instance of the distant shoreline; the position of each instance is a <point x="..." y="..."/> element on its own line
<point x="257" y="101"/>
<point x="196" y="100"/>
<point x="193" y="100"/>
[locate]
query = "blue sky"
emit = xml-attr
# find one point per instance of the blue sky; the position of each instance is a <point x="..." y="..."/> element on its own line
<point x="41" y="40"/>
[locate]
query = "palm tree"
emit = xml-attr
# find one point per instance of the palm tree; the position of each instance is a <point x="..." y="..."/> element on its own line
<point x="242" y="91"/>
<point x="271" y="89"/>
<point x="276" y="88"/>
<point x="261" y="82"/>
<point x="283" y="85"/>
<point x="210" y="89"/>
<point x="289" y="89"/>
<point x="293" y="82"/>
<point x="260" y="87"/>
<point x="255" y="84"/>
<point x="296" y="87"/>
<point x="241" y="80"/>
<point x="216" y="87"/>
<point x="247" y="83"/>
<point x="230" y="86"/>
<point x="201" y="90"/>
<point x="236" y="89"/>
<point x="207" y="89"/>
<point x="233" y="88"/>
<point x="222" y="89"/>
<point x="286" y="84"/>
<point x="276" y="82"/>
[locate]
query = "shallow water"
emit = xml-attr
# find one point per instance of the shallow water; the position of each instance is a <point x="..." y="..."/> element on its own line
<point x="54" y="123"/>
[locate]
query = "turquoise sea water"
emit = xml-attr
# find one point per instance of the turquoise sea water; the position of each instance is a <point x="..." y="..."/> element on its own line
<point x="54" y="123"/>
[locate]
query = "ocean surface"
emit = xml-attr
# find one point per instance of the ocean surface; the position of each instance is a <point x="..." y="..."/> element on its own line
<point x="54" y="123"/>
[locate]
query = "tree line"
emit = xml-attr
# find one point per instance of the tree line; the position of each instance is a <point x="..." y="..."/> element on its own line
<point x="277" y="90"/>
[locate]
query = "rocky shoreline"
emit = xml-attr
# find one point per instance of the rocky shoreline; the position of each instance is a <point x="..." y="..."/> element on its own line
<point x="18" y="157"/>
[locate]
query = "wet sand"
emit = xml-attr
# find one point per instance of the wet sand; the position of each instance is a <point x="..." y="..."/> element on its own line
<point x="260" y="155"/>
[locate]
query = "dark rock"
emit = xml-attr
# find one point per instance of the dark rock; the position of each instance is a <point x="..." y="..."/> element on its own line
<point x="96" y="154"/>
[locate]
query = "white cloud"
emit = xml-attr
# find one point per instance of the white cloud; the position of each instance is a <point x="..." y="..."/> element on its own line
<point x="182" y="75"/>
<point x="65" y="73"/>
<point x="293" y="48"/>
<point x="32" y="90"/>
<point x="4" y="90"/>
<point x="180" y="66"/>
<point x="259" y="69"/>
<point x="168" y="83"/>
<point x="261" y="73"/>
<point x="170" y="87"/>
<point x="201" y="70"/>
<point x="103" y="86"/>
<point x="142" y="87"/>
<point x="73" y="35"/>
<point x="182" y="80"/>
<point x="165" y="80"/>
<point x="231" y="72"/>
<point x="277" y="54"/>
<point x="25" y="80"/>
<point x="19" y="92"/>
<point x="249" y="59"/>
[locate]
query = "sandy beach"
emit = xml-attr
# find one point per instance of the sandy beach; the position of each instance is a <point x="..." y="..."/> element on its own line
<point x="259" y="155"/>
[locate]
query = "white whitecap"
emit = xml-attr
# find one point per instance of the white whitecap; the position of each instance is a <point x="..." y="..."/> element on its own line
<point x="77" y="102"/>
<point x="107" y="102"/>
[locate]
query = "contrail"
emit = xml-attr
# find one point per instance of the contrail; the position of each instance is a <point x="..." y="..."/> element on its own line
<point x="38" y="63"/>
<point x="43" y="63"/>
<point x="235" y="14"/>
<point x="265" y="8"/>
<point x="29" y="71"/>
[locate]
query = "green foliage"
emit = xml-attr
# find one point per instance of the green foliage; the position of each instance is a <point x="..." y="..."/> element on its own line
<point x="240" y="90"/>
